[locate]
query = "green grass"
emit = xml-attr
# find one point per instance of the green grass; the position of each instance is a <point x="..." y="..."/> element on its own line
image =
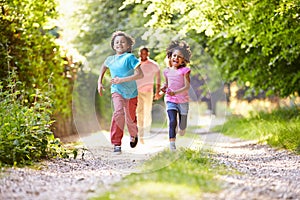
<point x="186" y="174"/>
<point x="280" y="128"/>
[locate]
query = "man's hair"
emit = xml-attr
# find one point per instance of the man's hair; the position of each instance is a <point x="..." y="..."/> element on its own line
<point x="129" y="39"/>
<point x="143" y="48"/>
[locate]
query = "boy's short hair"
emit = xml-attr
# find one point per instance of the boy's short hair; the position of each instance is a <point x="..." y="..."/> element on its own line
<point x="129" y="39"/>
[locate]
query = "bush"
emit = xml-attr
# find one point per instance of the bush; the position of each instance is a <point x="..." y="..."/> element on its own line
<point x="25" y="134"/>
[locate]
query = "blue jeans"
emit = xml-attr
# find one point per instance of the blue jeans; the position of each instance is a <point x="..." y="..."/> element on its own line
<point x="174" y="109"/>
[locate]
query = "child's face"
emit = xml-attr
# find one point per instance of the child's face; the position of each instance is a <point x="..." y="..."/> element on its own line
<point x="121" y="45"/>
<point x="176" y="59"/>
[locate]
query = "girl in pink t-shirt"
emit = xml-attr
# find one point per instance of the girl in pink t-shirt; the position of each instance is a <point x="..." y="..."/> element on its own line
<point x="177" y="77"/>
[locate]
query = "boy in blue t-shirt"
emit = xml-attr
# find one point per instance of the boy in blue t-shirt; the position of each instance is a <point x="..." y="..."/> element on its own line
<point x="124" y="69"/>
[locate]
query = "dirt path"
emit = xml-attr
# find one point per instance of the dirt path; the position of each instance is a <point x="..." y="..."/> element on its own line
<point x="265" y="173"/>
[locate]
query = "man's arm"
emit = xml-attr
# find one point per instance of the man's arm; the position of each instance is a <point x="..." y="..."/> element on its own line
<point x="158" y="83"/>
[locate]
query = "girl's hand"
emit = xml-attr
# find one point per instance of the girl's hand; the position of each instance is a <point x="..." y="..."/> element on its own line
<point x="171" y="93"/>
<point x="100" y="89"/>
<point x="164" y="88"/>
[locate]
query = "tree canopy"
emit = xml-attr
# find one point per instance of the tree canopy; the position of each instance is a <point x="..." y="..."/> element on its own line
<point x="97" y="23"/>
<point x="28" y="48"/>
<point x="254" y="42"/>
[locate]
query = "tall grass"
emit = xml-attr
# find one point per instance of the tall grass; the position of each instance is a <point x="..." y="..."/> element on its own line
<point x="280" y="128"/>
<point x="189" y="174"/>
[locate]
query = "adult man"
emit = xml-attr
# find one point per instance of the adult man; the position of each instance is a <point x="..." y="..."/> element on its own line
<point x="145" y="91"/>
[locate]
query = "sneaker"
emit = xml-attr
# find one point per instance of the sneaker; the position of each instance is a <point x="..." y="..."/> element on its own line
<point x="117" y="150"/>
<point x="172" y="146"/>
<point x="133" y="141"/>
<point x="181" y="132"/>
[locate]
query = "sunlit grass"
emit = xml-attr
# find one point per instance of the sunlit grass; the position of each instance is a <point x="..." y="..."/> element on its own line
<point x="280" y="129"/>
<point x="153" y="190"/>
<point x="186" y="174"/>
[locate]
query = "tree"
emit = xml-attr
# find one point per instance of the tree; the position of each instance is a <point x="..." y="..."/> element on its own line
<point x="254" y="42"/>
<point x="29" y="49"/>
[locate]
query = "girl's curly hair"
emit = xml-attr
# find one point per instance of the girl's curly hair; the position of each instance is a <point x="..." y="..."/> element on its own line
<point x="181" y="46"/>
<point x="130" y="40"/>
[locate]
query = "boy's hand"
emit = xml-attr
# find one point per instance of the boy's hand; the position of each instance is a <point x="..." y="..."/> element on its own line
<point x="100" y="89"/>
<point x="115" y="80"/>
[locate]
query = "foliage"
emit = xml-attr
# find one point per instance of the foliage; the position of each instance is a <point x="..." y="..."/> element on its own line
<point x="27" y="47"/>
<point x="190" y="174"/>
<point x="254" y="42"/>
<point x="98" y="22"/>
<point x="280" y="128"/>
<point x="25" y="134"/>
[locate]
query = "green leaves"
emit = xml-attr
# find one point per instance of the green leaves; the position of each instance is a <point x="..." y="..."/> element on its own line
<point x="27" y="47"/>
<point x="25" y="134"/>
<point x="256" y="41"/>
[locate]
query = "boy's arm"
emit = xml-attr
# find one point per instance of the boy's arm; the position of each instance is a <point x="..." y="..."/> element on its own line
<point x="100" y="86"/>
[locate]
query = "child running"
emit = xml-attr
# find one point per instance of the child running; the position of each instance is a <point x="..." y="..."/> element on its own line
<point x="176" y="88"/>
<point x="124" y="69"/>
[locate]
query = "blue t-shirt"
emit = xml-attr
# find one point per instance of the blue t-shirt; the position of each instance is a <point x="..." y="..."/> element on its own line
<point x="122" y="66"/>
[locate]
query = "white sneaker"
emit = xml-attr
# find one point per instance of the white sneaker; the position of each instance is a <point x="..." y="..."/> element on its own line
<point x="172" y="146"/>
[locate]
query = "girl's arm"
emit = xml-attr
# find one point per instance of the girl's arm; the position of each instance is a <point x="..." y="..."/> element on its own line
<point x="184" y="88"/>
<point x="100" y="86"/>
<point x="164" y="88"/>
<point x="138" y="74"/>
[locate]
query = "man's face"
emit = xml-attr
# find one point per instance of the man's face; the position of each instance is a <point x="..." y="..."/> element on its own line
<point x="144" y="55"/>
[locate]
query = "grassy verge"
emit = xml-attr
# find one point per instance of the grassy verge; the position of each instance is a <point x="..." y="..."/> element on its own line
<point x="280" y="128"/>
<point x="189" y="174"/>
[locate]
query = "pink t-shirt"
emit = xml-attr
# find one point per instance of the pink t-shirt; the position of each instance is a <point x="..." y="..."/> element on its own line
<point x="149" y="68"/>
<point x="176" y="81"/>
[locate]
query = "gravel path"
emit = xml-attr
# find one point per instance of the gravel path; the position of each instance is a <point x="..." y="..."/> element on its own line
<point x="92" y="172"/>
<point x="265" y="173"/>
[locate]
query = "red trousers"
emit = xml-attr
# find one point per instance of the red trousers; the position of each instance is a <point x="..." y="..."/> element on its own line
<point x="124" y="111"/>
